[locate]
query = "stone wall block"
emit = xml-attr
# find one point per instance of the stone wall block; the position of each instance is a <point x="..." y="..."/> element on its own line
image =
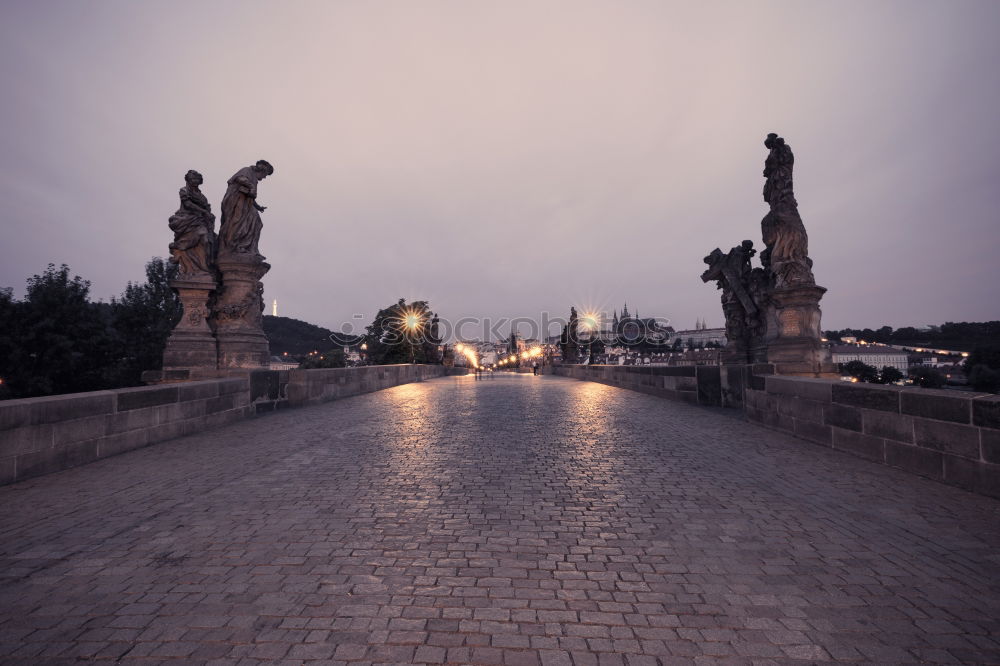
<point x="886" y="424"/>
<point x="986" y="412"/>
<point x="121" y="442"/>
<point x="951" y="438"/>
<point x="868" y="396"/>
<point x="841" y="416"/>
<point x="915" y="459"/>
<point x="132" y="419"/>
<point x="146" y="396"/>
<point x="79" y="430"/>
<point x="25" y="439"/>
<point x="801" y="408"/>
<point x="57" y="458"/>
<point x="934" y="404"/>
<point x="8" y="470"/>
<point x="803" y="387"/>
<point x="978" y="477"/>
<point x="989" y="445"/>
<point x="58" y="408"/>
<point x="814" y="432"/>
<point x="864" y="446"/>
<point x="221" y="403"/>
<point x="14" y="414"/>
<point x="197" y="390"/>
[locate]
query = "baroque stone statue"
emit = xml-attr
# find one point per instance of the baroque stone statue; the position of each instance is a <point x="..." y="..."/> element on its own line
<point x="194" y="230"/>
<point x="787" y="245"/>
<point x="744" y="294"/>
<point x="239" y="233"/>
<point x="772" y="312"/>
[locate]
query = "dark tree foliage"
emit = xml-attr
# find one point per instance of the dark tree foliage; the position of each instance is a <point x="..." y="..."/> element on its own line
<point x="55" y="340"/>
<point x="860" y="371"/>
<point x="294" y="336"/>
<point x="982" y="368"/>
<point x="141" y="319"/>
<point x="890" y="375"/>
<point x="401" y="333"/>
<point x="927" y="377"/>
<point x="332" y="358"/>
<point x="960" y="336"/>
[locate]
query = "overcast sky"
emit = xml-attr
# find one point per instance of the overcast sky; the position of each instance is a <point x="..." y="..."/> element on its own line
<point x="506" y="158"/>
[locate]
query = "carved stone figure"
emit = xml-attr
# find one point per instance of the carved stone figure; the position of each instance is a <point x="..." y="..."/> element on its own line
<point x="570" y="340"/>
<point x="239" y="233"/>
<point x="787" y="245"/>
<point x="743" y="296"/>
<point x="194" y="230"/>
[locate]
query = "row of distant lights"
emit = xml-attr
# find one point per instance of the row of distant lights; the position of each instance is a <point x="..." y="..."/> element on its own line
<point x="916" y="349"/>
<point x="473" y="356"/>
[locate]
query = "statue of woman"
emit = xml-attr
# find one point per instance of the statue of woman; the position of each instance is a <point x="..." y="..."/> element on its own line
<point x="194" y="229"/>
<point x="787" y="245"/>
<point x="239" y="232"/>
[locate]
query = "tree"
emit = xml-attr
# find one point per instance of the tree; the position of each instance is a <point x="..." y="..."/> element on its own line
<point x="982" y="367"/>
<point x="332" y="358"/>
<point x="890" y="375"/>
<point x="56" y="340"/>
<point x="400" y="334"/>
<point x="860" y="371"/>
<point x="678" y="345"/>
<point x="142" y="318"/>
<point x="927" y="377"/>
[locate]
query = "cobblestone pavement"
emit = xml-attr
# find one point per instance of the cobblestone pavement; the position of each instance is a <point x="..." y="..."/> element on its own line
<point x="518" y="520"/>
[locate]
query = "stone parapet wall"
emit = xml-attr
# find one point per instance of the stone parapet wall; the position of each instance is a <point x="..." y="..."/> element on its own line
<point x="695" y="384"/>
<point x="44" y="435"/>
<point x="948" y="436"/>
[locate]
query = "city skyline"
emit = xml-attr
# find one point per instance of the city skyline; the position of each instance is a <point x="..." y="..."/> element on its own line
<point x="508" y="160"/>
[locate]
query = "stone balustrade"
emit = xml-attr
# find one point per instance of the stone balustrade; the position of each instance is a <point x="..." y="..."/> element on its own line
<point x="43" y="435"/>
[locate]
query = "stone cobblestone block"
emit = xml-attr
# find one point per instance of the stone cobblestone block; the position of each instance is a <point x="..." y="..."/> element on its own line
<point x="426" y="524"/>
<point x="915" y="459"/>
<point x="936" y="404"/>
<point x="867" y="396"/>
<point x="951" y="438"/>
<point x="886" y="424"/>
<point x="986" y="412"/>
<point x="865" y="446"/>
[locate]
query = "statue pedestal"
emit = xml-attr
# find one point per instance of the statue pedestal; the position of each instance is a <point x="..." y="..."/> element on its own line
<point x="239" y="312"/>
<point x="191" y="344"/>
<point x="793" y="332"/>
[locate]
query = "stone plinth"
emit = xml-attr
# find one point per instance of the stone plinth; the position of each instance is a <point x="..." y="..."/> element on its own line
<point x="191" y="344"/>
<point x="792" y="339"/>
<point x="239" y="313"/>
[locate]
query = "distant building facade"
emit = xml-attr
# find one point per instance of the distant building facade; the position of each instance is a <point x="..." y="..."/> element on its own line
<point x="702" y="336"/>
<point x="874" y="355"/>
